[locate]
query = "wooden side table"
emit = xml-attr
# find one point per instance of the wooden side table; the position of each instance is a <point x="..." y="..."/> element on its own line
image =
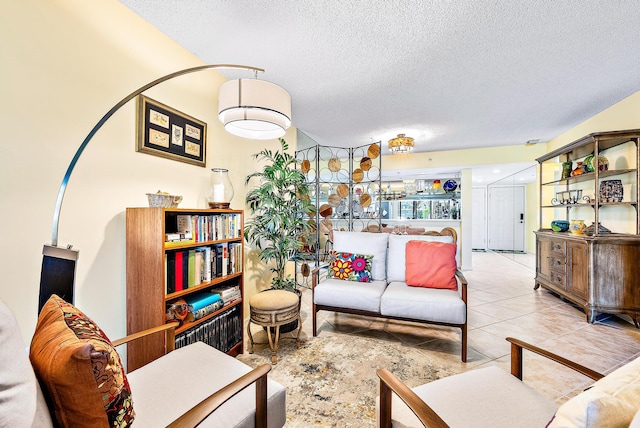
<point x="272" y="309"/>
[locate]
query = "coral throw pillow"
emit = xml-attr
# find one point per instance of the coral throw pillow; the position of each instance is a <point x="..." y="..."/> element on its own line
<point x="79" y="370"/>
<point x="351" y="267"/>
<point x="431" y="265"/>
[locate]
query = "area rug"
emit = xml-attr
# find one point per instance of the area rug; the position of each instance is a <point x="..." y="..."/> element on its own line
<point x="331" y="380"/>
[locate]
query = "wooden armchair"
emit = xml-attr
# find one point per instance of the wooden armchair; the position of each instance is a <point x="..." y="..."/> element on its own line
<point x="73" y="376"/>
<point x="200" y="411"/>
<point x="487" y="397"/>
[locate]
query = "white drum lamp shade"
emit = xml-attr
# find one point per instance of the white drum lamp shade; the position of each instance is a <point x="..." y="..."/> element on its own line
<point x="253" y="108"/>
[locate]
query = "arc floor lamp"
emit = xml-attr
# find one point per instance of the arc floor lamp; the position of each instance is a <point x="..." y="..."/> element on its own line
<point x="249" y="108"/>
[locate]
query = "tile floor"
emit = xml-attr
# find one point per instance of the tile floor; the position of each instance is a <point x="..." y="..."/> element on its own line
<point x="502" y="303"/>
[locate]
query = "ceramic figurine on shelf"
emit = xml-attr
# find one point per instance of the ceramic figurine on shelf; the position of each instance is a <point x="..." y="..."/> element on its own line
<point x="579" y="170"/>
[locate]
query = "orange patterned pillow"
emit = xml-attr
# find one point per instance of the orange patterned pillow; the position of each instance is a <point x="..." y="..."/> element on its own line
<point x="79" y="370"/>
<point x="431" y="264"/>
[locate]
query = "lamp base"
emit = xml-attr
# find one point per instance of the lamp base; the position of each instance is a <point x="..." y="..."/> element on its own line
<point x="219" y="205"/>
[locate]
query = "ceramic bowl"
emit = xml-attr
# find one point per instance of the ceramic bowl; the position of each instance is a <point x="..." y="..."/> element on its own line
<point x="559" y="225"/>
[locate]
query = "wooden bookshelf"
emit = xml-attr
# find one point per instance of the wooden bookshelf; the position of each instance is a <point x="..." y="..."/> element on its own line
<point x="147" y="283"/>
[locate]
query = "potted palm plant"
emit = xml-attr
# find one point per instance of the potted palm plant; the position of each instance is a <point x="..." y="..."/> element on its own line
<point x="280" y="208"/>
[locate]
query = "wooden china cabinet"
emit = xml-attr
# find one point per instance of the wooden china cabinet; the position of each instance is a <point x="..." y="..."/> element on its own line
<point x="599" y="271"/>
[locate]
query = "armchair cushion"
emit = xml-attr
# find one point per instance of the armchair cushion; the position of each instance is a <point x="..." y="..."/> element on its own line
<point x="427" y="304"/>
<point x="611" y="401"/>
<point x="347" y="294"/>
<point x="374" y="244"/>
<point x="486" y="397"/>
<point x="168" y="387"/>
<point x="396" y="270"/>
<point x="431" y="265"/>
<point x="80" y="371"/>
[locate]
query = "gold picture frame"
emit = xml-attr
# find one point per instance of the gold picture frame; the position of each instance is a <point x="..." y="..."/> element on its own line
<point x="166" y="132"/>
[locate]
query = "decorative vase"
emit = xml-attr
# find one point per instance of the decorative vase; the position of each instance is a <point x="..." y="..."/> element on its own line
<point x="576" y="227"/>
<point x="221" y="191"/>
<point x="611" y="191"/>
<point x="566" y="169"/>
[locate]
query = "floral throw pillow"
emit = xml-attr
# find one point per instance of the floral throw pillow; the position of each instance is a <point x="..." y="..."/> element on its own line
<point x="350" y="267"/>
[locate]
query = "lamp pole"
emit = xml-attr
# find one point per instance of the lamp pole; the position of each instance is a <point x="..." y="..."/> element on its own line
<point x="58" y="264"/>
<point x="65" y="179"/>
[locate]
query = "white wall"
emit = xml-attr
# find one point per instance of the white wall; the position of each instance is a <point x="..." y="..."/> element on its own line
<point x="64" y="64"/>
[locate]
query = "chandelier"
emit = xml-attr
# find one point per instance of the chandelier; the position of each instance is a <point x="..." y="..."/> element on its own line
<point x="401" y="144"/>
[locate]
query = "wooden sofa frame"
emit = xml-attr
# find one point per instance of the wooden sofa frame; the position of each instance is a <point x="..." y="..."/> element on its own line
<point x="390" y="384"/>
<point x="207" y="406"/>
<point x="447" y="231"/>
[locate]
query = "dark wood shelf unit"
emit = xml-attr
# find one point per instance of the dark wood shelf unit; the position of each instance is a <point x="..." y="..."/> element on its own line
<point x="598" y="273"/>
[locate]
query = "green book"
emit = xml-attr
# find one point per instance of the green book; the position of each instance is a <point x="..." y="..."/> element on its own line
<point x="192" y="268"/>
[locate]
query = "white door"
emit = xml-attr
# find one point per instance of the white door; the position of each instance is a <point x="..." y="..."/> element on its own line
<point x="505" y="216"/>
<point x="479" y="218"/>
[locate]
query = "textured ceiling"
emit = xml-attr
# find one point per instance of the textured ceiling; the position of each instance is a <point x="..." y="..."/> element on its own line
<point x="451" y="74"/>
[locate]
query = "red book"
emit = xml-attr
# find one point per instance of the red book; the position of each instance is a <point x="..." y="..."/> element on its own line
<point x="179" y="274"/>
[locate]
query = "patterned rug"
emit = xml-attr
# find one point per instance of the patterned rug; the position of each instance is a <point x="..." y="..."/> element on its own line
<point x="331" y="380"/>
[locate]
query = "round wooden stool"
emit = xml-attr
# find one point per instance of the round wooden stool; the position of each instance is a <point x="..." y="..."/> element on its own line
<point x="271" y="309"/>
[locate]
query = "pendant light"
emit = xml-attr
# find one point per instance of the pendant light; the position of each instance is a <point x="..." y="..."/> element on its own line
<point x="253" y="108"/>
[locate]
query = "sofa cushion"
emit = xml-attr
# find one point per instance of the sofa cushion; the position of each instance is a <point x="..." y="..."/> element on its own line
<point x="351" y="295"/>
<point x="163" y="393"/>
<point x="427" y="304"/>
<point x="374" y="244"/>
<point x="21" y="401"/>
<point x="397" y="253"/>
<point x="79" y="370"/>
<point x="350" y="266"/>
<point x="610" y="402"/>
<point x="490" y="397"/>
<point x="431" y="264"/>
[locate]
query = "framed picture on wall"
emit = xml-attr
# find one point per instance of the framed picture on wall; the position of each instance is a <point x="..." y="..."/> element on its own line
<point x="166" y="132"/>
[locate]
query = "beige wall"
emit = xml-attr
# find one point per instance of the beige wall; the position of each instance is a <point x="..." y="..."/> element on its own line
<point x="620" y="116"/>
<point x="65" y="64"/>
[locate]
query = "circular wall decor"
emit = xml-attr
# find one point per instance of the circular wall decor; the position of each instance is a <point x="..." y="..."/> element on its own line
<point x="373" y="151"/>
<point x="334" y="164"/>
<point x="304" y="269"/>
<point x="326" y="210"/>
<point x="334" y="200"/>
<point x="343" y="190"/>
<point x="365" y="163"/>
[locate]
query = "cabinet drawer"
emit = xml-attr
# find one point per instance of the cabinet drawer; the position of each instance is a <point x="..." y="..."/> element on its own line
<point x="557" y="263"/>
<point x="558" y="247"/>
<point x="557" y="278"/>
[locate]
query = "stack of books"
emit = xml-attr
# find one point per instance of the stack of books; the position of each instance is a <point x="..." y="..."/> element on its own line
<point x="228" y="293"/>
<point x="202" y="304"/>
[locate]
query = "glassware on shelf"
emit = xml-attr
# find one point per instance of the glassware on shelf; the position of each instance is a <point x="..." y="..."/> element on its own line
<point x="221" y="191"/>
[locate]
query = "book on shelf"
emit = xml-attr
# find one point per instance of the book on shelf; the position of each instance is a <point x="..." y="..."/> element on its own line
<point x="177" y="238"/>
<point x="178" y="271"/>
<point x="202" y="304"/>
<point x="170" y="280"/>
<point x="223" y="331"/>
<point x="183" y="223"/>
<point x="196" y="314"/>
<point x="228" y="293"/>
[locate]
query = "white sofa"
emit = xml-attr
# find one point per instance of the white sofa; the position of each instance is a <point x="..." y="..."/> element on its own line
<point x="185" y="386"/>
<point x="388" y="295"/>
